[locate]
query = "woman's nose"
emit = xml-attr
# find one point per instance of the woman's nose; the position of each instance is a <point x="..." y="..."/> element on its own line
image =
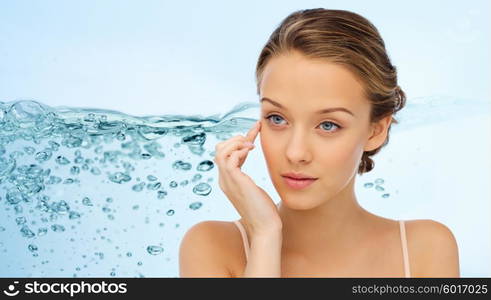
<point x="298" y="149"/>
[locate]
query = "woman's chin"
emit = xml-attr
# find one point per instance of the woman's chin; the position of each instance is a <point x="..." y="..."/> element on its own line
<point x="298" y="202"/>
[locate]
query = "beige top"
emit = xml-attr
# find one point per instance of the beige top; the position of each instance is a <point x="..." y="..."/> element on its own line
<point x="403" y="243"/>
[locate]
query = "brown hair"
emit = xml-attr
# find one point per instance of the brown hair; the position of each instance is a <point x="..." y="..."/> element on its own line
<point x="345" y="38"/>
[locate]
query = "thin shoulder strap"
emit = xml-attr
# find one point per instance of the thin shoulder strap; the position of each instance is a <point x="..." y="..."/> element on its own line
<point x="404" y="249"/>
<point x="244" y="237"/>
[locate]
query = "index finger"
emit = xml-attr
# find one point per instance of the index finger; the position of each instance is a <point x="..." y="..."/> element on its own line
<point x="252" y="133"/>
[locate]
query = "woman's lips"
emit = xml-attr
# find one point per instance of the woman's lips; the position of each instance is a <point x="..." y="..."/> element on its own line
<point x="298" y="183"/>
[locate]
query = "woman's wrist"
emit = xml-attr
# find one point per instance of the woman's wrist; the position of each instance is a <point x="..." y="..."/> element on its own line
<point x="267" y="232"/>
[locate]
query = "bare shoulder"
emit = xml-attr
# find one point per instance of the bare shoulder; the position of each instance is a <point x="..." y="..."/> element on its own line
<point x="205" y="250"/>
<point x="433" y="250"/>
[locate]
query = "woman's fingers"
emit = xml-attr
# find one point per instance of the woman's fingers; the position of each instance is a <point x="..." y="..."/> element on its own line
<point x="252" y="133"/>
<point x="237" y="158"/>
<point x="225" y="149"/>
<point x="229" y="160"/>
<point x="232" y="145"/>
<point x="220" y="145"/>
<point x="250" y="136"/>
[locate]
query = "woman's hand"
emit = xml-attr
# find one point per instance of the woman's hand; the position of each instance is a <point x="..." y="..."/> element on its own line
<point x="257" y="209"/>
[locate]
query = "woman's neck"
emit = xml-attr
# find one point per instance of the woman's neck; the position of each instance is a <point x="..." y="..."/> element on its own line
<point x="335" y="224"/>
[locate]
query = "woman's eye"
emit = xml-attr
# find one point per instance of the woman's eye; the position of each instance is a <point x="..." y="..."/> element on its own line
<point x="332" y="124"/>
<point x="276" y="119"/>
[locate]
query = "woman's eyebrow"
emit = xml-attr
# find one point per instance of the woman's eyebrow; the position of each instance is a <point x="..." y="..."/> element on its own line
<point x="322" y="111"/>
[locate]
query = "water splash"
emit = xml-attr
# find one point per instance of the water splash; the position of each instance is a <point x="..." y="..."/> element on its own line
<point x="58" y="165"/>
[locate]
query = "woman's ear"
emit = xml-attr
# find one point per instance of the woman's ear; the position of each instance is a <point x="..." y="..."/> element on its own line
<point x="378" y="133"/>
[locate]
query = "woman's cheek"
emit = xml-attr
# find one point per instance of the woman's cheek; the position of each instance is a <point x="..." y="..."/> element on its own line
<point x="268" y="145"/>
<point x="350" y="157"/>
<point x="339" y="155"/>
<point x="272" y="151"/>
<point x="344" y="154"/>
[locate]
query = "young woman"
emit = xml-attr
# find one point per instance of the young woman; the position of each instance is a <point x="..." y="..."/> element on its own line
<point x="328" y="93"/>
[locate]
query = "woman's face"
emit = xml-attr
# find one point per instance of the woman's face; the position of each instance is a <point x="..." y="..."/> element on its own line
<point x="295" y="137"/>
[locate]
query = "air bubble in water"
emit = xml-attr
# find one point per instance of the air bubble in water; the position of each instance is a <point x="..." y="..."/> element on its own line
<point x="75" y="170"/>
<point x="18" y="209"/>
<point x="57" y="228"/>
<point x="138" y="187"/>
<point x="195" y="205"/>
<point x="62" y="160"/>
<point x="74" y="215"/>
<point x="29" y="150"/>
<point x="180" y="165"/>
<point x="86" y="201"/>
<point x="379" y="188"/>
<point x="54" y="145"/>
<point x="119" y="177"/>
<point x="95" y="171"/>
<point x="153" y="186"/>
<point x="379" y="181"/>
<point x="155" y="250"/>
<point x="69" y="181"/>
<point x="14" y="197"/>
<point x="151" y="178"/>
<point x="42" y="231"/>
<point x="26" y="232"/>
<point x="205" y="165"/>
<point x="197" y="139"/>
<point x="196" y="177"/>
<point x="202" y="189"/>
<point x="20" y="220"/>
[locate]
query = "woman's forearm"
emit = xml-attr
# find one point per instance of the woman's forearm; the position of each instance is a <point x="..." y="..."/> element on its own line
<point x="264" y="255"/>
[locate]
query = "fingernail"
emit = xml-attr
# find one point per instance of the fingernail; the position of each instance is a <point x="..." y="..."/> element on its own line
<point x="247" y="144"/>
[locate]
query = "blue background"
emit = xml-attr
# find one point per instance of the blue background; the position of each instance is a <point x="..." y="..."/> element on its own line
<point x="157" y="57"/>
<point x="199" y="57"/>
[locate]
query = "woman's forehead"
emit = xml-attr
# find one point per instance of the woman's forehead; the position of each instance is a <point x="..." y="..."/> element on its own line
<point x="303" y="78"/>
